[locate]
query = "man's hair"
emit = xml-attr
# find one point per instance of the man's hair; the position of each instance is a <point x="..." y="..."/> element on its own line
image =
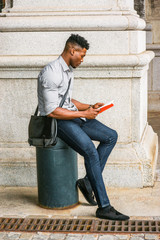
<point x="76" y="39"/>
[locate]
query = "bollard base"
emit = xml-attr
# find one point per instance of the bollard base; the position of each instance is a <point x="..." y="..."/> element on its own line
<point x="57" y="174"/>
<point x="60" y="208"/>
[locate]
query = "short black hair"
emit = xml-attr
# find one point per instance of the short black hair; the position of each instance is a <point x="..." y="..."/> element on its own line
<point x="78" y="40"/>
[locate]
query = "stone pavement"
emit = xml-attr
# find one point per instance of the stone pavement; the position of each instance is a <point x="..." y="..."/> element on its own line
<point x="142" y="204"/>
<point x="48" y="236"/>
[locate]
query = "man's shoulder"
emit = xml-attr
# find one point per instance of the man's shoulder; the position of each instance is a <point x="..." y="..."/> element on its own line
<point x="51" y="74"/>
<point x="52" y="66"/>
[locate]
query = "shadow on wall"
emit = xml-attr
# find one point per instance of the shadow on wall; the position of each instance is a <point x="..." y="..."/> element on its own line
<point x="2" y="4"/>
<point x="139" y="6"/>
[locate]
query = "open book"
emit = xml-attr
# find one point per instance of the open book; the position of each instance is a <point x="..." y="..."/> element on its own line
<point x="106" y="106"/>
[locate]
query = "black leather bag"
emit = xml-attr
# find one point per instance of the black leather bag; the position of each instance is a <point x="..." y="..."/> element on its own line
<point x="42" y="130"/>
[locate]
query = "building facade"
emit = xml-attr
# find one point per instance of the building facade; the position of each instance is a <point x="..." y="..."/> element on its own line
<point x="33" y="33"/>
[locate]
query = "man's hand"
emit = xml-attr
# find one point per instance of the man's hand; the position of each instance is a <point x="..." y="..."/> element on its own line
<point x="97" y="105"/>
<point x="91" y="113"/>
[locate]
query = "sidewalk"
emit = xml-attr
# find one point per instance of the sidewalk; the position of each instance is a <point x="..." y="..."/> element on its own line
<point x="143" y="204"/>
<point x="47" y="236"/>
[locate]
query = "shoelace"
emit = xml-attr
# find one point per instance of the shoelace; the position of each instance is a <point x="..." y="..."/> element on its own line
<point x="112" y="209"/>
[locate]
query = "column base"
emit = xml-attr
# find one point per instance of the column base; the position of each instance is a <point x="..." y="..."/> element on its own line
<point x="132" y="164"/>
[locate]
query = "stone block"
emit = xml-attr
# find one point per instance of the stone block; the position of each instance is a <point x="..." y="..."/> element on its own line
<point x="40" y="236"/>
<point x="126" y="5"/>
<point x="123" y="237"/>
<point x="13" y="235"/>
<point x="71" y="21"/>
<point x="26" y="236"/>
<point x="18" y="174"/>
<point x="154" y="79"/>
<point x="57" y="236"/>
<point x="124" y="175"/>
<point x="136" y="238"/>
<point x="150" y="76"/>
<point x="112" y="42"/>
<point x="48" y="5"/>
<point x="2" y="235"/>
<point x="137" y="42"/>
<point x="151" y="237"/>
<point x="156" y="74"/>
<point x="90" y="237"/>
<point x="73" y="237"/>
<point x="156" y="32"/>
<point x="17" y="125"/>
<point x="149" y="37"/>
<point x="105" y="42"/>
<point x="153" y="100"/>
<point x="108" y="237"/>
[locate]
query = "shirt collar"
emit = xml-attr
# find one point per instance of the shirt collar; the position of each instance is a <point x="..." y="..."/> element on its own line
<point x="64" y="65"/>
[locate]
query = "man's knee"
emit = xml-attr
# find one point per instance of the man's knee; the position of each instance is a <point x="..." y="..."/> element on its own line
<point x="115" y="135"/>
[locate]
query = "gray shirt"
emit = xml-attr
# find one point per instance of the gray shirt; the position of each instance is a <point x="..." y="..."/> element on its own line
<point x="52" y="85"/>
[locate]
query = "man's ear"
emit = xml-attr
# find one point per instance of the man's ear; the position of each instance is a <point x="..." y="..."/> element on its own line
<point x="72" y="50"/>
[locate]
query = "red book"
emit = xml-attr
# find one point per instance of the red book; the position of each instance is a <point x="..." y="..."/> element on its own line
<point x="106" y="106"/>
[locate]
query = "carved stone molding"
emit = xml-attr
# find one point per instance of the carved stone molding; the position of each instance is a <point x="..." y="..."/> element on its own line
<point x="153" y="9"/>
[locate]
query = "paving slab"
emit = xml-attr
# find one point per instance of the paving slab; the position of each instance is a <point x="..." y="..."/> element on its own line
<point x="57" y="236"/>
<point x="89" y="237"/>
<point x="137" y="203"/>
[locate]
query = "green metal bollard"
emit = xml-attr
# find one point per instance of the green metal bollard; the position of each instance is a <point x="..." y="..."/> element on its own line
<point x="57" y="175"/>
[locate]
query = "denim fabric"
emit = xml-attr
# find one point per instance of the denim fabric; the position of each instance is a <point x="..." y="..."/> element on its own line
<point x="78" y="134"/>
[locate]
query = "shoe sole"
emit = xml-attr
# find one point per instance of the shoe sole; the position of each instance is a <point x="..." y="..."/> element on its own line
<point x="81" y="189"/>
<point x="114" y="219"/>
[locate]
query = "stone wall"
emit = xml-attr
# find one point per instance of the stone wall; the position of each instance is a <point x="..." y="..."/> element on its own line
<point x="33" y="33"/>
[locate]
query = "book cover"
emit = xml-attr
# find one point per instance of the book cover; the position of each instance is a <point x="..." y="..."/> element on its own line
<point x="106" y="106"/>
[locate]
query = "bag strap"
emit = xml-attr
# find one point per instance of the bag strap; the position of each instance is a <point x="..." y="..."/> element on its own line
<point x="62" y="101"/>
<point x="65" y="95"/>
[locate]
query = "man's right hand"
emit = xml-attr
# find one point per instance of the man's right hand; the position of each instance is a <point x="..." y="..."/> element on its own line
<point x="91" y="113"/>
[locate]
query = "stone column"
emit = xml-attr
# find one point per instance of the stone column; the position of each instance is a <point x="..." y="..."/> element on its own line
<point x="115" y="68"/>
<point x="153" y="43"/>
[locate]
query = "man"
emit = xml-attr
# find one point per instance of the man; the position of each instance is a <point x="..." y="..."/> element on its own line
<point x="77" y="125"/>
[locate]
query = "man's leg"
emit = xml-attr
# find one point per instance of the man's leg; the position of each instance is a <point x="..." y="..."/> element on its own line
<point x="72" y="133"/>
<point x="106" y="136"/>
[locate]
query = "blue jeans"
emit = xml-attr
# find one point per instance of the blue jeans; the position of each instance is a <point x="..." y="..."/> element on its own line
<point x="78" y="135"/>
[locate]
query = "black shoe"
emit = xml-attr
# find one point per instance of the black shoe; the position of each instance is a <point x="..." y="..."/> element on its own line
<point x="87" y="193"/>
<point x="110" y="213"/>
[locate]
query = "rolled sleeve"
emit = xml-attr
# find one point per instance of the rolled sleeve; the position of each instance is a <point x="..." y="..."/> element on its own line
<point x="49" y="83"/>
<point x="50" y="99"/>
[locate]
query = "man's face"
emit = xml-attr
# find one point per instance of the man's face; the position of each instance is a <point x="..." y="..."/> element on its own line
<point x="77" y="56"/>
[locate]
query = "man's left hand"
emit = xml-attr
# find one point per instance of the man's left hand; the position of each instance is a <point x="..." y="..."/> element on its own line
<point x="97" y="105"/>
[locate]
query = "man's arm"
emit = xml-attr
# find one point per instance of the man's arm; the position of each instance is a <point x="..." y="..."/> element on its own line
<point x="65" y="114"/>
<point x="83" y="106"/>
<point x="80" y="106"/>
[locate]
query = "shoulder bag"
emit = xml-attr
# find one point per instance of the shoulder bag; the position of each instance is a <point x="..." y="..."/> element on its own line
<point x="42" y="130"/>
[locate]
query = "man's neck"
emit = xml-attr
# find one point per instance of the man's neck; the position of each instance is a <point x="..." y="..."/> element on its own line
<point x="65" y="58"/>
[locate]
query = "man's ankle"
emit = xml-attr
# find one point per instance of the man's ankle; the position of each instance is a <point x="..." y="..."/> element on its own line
<point x="106" y="207"/>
